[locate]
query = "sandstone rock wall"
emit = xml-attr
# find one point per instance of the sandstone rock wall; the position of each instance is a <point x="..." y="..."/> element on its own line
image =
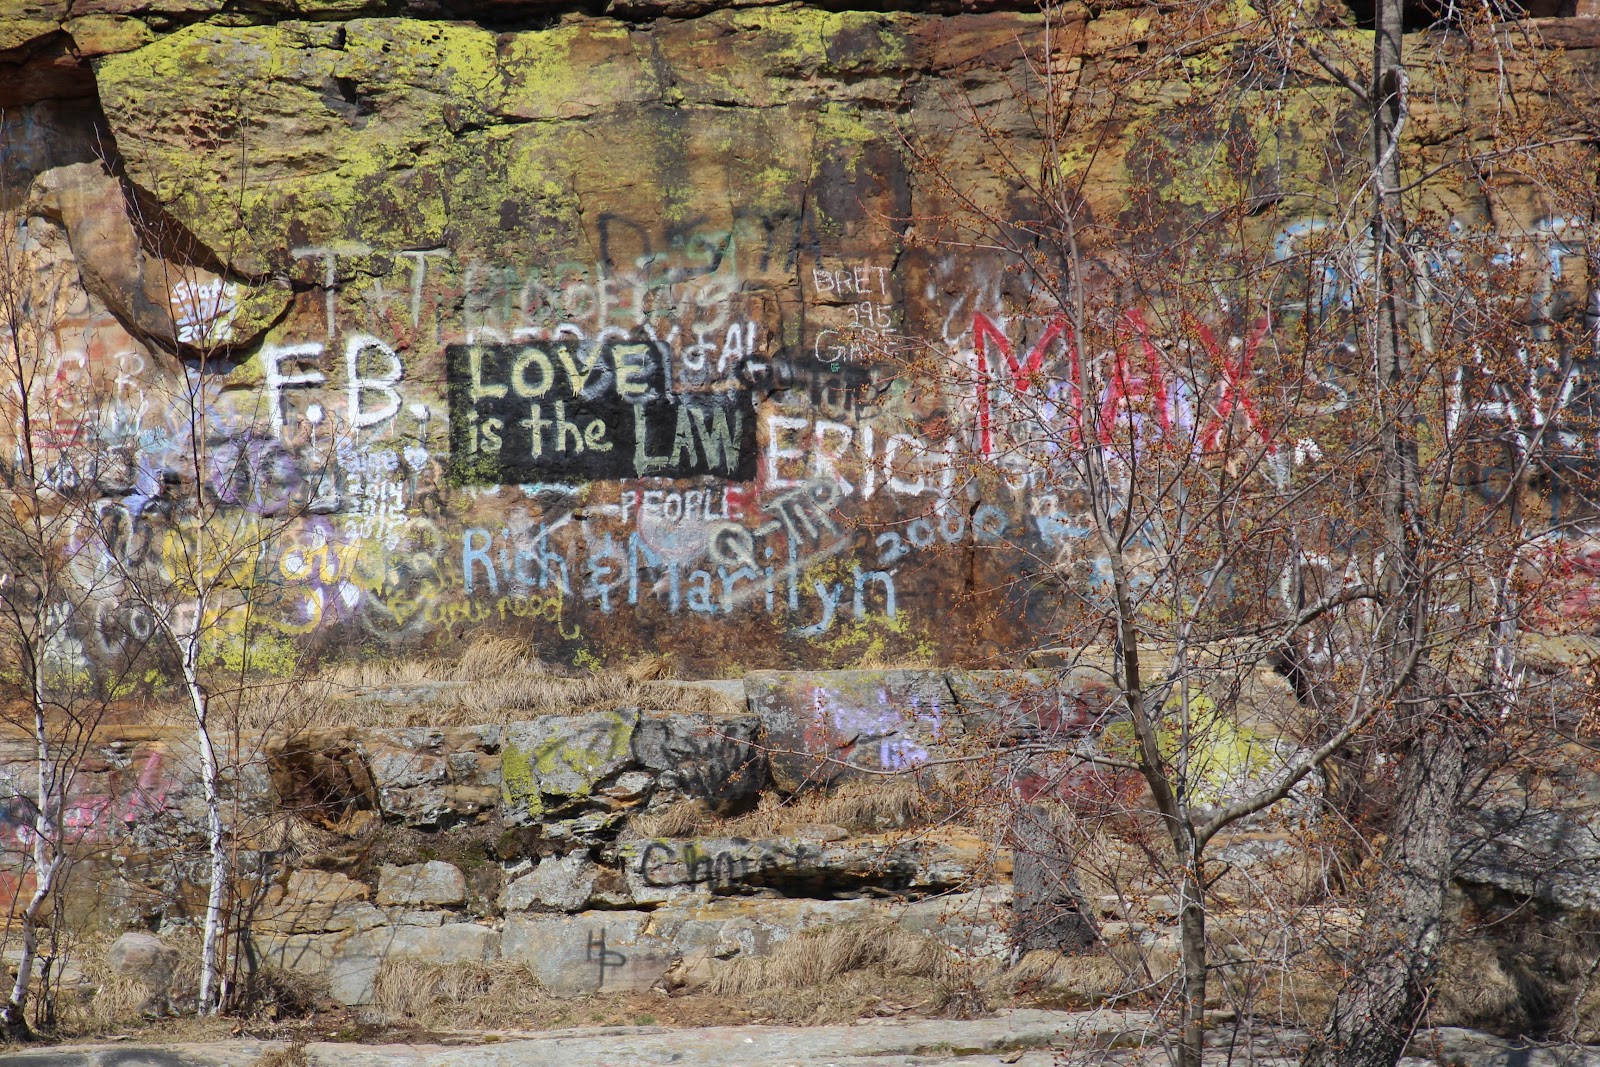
<point x="618" y="850"/>
<point x="587" y="328"/>
<point x="531" y="840"/>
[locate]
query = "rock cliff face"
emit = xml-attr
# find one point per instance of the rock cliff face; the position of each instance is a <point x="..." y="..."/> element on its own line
<point x="585" y="327"/>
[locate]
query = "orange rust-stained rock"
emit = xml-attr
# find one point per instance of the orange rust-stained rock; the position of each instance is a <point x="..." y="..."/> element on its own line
<point x="599" y="332"/>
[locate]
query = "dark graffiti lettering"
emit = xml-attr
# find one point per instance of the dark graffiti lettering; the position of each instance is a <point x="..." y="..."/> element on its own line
<point x="648" y="860"/>
<point x="844" y="389"/>
<point x="561" y="410"/>
<point x="595" y="952"/>
<point x="722" y="866"/>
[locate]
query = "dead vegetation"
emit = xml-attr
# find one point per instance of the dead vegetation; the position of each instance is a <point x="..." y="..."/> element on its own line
<point x="1121" y="973"/>
<point x="1284" y="973"/>
<point x="496" y="680"/>
<point x="121" y="1000"/>
<point x="96" y="1000"/>
<point x="453" y="996"/>
<point x="291" y="1055"/>
<point x="857" y="807"/>
<point x="1521" y="975"/>
<point x="118" y="1001"/>
<point x="1274" y="956"/>
<point x="411" y="994"/>
<point x="847" y="970"/>
<point x="875" y="658"/>
<point x="1520" y="981"/>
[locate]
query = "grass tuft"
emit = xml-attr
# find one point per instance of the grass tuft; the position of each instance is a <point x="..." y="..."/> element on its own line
<point x="455" y="996"/>
<point x="845" y="970"/>
<point x="291" y="1055"/>
<point x="496" y="680"/>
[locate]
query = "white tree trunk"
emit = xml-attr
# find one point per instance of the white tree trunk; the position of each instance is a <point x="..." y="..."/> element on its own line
<point x="210" y="965"/>
<point x="47" y="861"/>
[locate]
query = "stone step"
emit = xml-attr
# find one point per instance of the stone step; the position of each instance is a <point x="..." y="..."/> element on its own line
<point x="614" y="951"/>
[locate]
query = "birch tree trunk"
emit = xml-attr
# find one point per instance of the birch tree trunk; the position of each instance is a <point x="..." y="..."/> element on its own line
<point x="211" y="994"/>
<point x="47" y="861"/>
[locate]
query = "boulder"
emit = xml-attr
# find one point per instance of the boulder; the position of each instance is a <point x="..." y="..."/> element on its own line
<point x="147" y="962"/>
<point x="821" y="727"/>
<point x="461" y="942"/>
<point x="349" y="962"/>
<point x="558" y="883"/>
<point x="551" y="765"/>
<point x="977" y="924"/>
<point x="579" y="775"/>
<point x="317" y="157"/>
<point x="431" y="778"/>
<point x="317" y="901"/>
<point x="98" y="35"/>
<point x="1036" y="705"/>
<point x="631" y="951"/>
<point x="610" y="951"/>
<point x="1454" y="1044"/>
<point x="173" y="302"/>
<point x="348" y="975"/>
<point x="434" y="882"/>
<point x="715" y="758"/>
<point x="1546" y="854"/>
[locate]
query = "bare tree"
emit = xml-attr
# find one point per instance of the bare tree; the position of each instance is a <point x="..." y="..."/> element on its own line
<point x="203" y="597"/>
<point x="45" y="604"/>
<point x="1301" y="496"/>
<point x="1450" y="647"/>
<point x="210" y="513"/>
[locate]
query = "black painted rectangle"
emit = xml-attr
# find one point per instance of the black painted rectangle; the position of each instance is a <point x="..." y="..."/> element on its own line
<point x="563" y="410"/>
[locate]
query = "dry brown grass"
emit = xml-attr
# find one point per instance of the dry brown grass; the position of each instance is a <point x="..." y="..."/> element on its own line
<point x="1122" y="972"/>
<point x="372" y="673"/>
<point x="496" y="698"/>
<point x="1525" y="978"/>
<point x="1277" y="962"/>
<point x="495" y="680"/>
<point x="291" y="1055"/>
<point x="652" y="668"/>
<point x="514" y="696"/>
<point x="484" y="658"/>
<point x="275" y="994"/>
<point x="873" y="659"/>
<point x="110" y="1005"/>
<point x="113" y="1003"/>
<point x="1108" y="865"/>
<point x="1473" y="988"/>
<point x="685" y="818"/>
<point x="1585" y="1012"/>
<point x="454" y="996"/>
<point x="1297" y="990"/>
<point x="870" y="806"/>
<point x="491" y="657"/>
<point x="867" y="807"/>
<point x="120" y="1001"/>
<point x="1294" y="989"/>
<point x="846" y="970"/>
